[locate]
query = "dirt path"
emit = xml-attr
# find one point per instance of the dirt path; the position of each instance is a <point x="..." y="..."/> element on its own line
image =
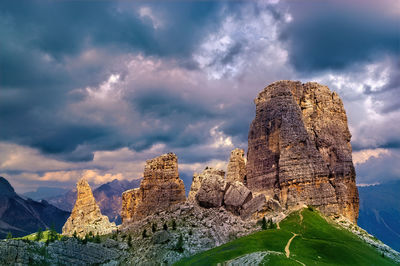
<point x="277" y="225"/>
<point x="287" y="251"/>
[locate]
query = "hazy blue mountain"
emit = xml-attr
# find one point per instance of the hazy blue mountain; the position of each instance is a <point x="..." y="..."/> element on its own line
<point x="45" y="192"/>
<point x="380" y="212"/>
<point x="22" y="217"/>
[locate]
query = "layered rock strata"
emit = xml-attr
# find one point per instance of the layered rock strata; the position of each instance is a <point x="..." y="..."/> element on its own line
<point x="86" y="216"/>
<point x="236" y="170"/>
<point x="160" y="188"/>
<point x="299" y="149"/>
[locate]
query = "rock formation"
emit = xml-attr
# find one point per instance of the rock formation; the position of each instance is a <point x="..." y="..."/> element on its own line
<point x="212" y="189"/>
<point x="236" y="167"/>
<point x="86" y="216"/>
<point x="235" y="196"/>
<point x="108" y="196"/>
<point x="160" y="188"/>
<point x="299" y="149"/>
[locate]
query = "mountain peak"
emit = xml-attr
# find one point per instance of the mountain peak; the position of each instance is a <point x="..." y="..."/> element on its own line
<point x="5" y="187"/>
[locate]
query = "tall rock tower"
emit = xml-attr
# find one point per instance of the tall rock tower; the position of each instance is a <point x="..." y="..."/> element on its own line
<point x="86" y="216"/>
<point x="236" y="170"/>
<point x="160" y="188"/>
<point x="299" y="149"/>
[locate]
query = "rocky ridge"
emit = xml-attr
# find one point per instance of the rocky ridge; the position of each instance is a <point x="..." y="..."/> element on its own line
<point x="299" y="149"/>
<point x="21" y="216"/>
<point x="86" y="216"/>
<point x="68" y="252"/>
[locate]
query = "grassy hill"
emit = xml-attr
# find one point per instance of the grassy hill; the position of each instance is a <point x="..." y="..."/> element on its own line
<point x="44" y="236"/>
<point x="314" y="241"/>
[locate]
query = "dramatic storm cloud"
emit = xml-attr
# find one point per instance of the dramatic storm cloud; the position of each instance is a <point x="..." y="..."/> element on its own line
<point x="94" y="88"/>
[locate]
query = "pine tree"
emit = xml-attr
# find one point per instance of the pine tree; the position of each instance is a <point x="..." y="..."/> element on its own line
<point x="97" y="238"/>
<point x="165" y="226"/>
<point x="154" y="228"/>
<point x="144" y="233"/>
<point x="129" y="240"/>
<point x="179" y="244"/>
<point x="39" y="234"/>
<point x="9" y="235"/>
<point x="173" y="225"/>
<point x="264" y="225"/>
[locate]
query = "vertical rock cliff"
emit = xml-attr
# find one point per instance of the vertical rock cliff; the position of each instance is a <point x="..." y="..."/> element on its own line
<point x="236" y="170"/>
<point x="299" y="149"/>
<point x="160" y="188"/>
<point x="86" y="216"/>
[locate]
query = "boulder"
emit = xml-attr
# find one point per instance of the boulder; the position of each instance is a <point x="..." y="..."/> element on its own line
<point x="254" y="205"/>
<point x="236" y="195"/>
<point x="212" y="189"/>
<point x="161" y="237"/>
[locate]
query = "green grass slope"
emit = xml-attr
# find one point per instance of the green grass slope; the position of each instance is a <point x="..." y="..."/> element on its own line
<point x="45" y="236"/>
<point x="318" y="242"/>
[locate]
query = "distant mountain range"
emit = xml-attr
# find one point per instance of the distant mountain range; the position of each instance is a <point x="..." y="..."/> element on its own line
<point x="380" y="212"/>
<point x="21" y="217"/>
<point x="108" y="196"/>
<point x="45" y="192"/>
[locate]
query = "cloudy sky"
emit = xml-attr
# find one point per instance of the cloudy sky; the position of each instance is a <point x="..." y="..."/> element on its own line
<point x="94" y="88"/>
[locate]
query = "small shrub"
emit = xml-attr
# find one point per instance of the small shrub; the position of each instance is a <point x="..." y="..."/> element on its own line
<point x="173" y="225"/>
<point x="190" y="232"/>
<point x="97" y="238"/>
<point x="153" y="228"/>
<point x="310" y="208"/>
<point x="144" y="233"/>
<point x="75" y="235"/>
<point x="130" y="241"/>
<point x="165" y="226"/>
<point x="179" y="244"/>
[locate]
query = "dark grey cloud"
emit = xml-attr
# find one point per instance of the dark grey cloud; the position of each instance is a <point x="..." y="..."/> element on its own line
<point x="379" y="170"/>
<point x="335" y="34"/>
<point x="41" y="63"/>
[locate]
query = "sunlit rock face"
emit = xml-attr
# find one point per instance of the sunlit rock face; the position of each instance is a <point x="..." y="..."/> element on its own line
<point x="160" y="189"/>
<point x="299" y="149"/>
<point x="86" y="216"/>
<point x="236" y="170"/>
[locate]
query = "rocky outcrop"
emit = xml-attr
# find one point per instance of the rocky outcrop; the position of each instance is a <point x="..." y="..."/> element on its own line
<point x="299" y="149"/>
<point x="212" y="189"/>
<point x="236" y="196"/>
<point x="108" y="196"/>
<point x="86" y="216"/>
<point x="236" y="170"/>
<point x="160" y="189"/>
<point x="68" y="252"/>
